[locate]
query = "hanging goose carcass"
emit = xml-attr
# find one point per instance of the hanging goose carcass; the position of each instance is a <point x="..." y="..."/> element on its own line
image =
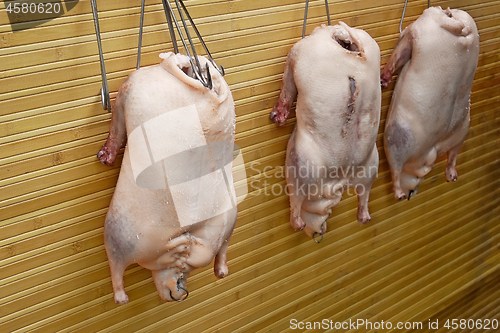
<point x="174" y="206"/>
<point x="429" y="113"/>
<point x="334" y="73"/>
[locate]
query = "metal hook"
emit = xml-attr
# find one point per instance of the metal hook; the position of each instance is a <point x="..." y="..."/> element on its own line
<point x="140" y="34"/>
<point x="170" y="26"/>
<point x="181" y="288"/>
<point x="171" y="20"/>
<point x="210" y="58"/>
<point x="404" y="11"/>
<point x="314" y="237"/>
<point x="305" y="16"/>
<point x="105" y="100"/>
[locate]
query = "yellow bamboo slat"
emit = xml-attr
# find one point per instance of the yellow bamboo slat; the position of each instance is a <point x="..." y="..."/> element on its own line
<point x="246" y="266"/>
<point x="131" y="63"/>
<point x="312" y="271"/>
<point x="29" y="168"/>
<point x="435" y="257"/>
<point x="475" y="305"/>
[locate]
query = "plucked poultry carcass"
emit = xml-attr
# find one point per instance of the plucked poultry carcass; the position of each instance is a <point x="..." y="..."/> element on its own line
<point x="334" y="73"/>
<point x="174" y="206"/>
<point x="430" y="109"/>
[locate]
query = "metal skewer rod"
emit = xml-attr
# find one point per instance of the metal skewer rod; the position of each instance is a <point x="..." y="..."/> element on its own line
<point x="196" y="70"/>
<point x="141" y="24"/>
<point x="220" y="69"/>
<point x="305" y="19"/>
<point x="195" y="56"/>
<point x="328" y="12"/>
<point x="188" y="46"/>
<point x="105" y="100"/>
<point x="404" y="11"/>
<point x="168" y="14"/>
<point x="305" y="16"/>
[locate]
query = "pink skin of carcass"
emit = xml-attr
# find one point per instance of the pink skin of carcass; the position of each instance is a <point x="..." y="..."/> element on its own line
<point x="430" y="109"/>
<point x="141" y="224"/>
<point x="334" y="73"/>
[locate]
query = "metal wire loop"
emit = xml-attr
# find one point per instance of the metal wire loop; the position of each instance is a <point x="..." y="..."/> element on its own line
<point x="206" y="79"/>
<point x="314" y="237"/>
<point x="105" y="100"/>
<point x="404" y="11"/>
<point x="181" y="288"/>
<point x="305" y="16"/>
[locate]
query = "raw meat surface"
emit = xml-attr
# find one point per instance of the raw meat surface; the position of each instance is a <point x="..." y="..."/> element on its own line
<point x="179" y="134"/>
<point x="430" y="109"/>
<point x="334" y="73"/>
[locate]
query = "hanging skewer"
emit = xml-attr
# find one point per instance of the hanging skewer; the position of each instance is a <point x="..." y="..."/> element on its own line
<point x="105" y="100"/>
<point x="210" y="58"/>
<point x="305" y="17"/>
<point x="189" y="45"/>
<point x="140" y="33"/>
<point x="404" y="11"/>
<point x="170" y="27"/>
<point x="206" y="80"/>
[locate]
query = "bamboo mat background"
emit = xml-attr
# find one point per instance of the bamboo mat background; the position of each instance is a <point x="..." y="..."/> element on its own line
<point x="434" y="257"/>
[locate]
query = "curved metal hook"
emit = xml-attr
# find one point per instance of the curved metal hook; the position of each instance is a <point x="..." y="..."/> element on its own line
<point x="181" y="288"/>
<point x="173" y="23"/>
<point x="105" y="100"/>
<point x="314" y="237"/>
<point x="207" y="82"/>
<point x="220" y="69"/>
<point x="305" y="17"/>
<point x="404" y="11"/>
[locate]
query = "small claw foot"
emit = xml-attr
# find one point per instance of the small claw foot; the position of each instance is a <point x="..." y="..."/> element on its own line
<point x="298" y="227"/>
<point x="221" y="271"/>
<point x="364" y="217"/>
<point x="272" y="115"/>
<point x="106" y="156"/>
<point x="121" y="297"/>
<point x="279" y="119"/>
<point x="297" y="224"/>
<point x="280" y="113"/>
<point x="400" y="195"/>
<point x="451" y="175"/>
<point x="385" y="79"/>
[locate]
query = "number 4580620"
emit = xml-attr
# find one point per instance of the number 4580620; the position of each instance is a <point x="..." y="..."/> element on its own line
<point x="33" y="8"/>
<point x="484" y="324"/>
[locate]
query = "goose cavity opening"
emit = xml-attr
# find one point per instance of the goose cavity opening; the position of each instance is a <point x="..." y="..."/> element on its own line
<point x="347" y="44"/>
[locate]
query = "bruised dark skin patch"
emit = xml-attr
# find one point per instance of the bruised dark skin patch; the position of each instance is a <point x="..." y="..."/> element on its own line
<point x="398" y="138"/>
<point x="118" y="238"/>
